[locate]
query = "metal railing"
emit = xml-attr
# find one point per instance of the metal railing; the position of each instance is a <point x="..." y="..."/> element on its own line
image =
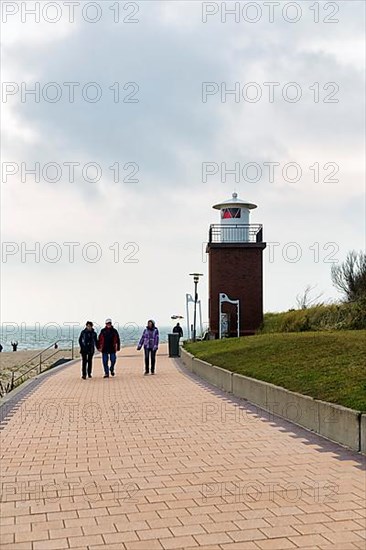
<point x="17" y="380"/>
<point x="236" y="233"/>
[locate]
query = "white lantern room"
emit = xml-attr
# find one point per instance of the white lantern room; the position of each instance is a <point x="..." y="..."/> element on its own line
<point x="234" y="220"/>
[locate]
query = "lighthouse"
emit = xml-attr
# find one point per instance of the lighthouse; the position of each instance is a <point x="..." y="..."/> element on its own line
<point x="235" y="256"/>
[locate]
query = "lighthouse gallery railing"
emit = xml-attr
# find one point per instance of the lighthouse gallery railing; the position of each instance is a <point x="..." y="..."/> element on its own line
<point x="234" y="233"/>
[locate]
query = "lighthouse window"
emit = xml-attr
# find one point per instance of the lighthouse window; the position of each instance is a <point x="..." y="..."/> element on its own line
<point x="230" y="213"/>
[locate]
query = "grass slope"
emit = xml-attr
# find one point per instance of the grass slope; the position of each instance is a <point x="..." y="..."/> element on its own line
<point x="343" y="316"/>
<point x="325" y="365"/>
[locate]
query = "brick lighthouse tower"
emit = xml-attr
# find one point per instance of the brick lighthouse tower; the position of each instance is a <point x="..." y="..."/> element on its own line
<point x="235" y="251"/>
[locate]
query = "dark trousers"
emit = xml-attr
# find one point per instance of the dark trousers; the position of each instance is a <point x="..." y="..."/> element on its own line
<point x="149" y="352"/>
<point x="86" y="363"/>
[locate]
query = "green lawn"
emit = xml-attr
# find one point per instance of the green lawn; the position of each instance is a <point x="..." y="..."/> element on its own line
<point x="325" y="365"/>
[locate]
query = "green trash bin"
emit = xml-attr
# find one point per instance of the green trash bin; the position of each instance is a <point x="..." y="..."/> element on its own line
<point x="173" y="345"/>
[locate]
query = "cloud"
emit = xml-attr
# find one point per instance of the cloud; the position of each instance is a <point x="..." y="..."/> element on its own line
<point x="169" y="133"/>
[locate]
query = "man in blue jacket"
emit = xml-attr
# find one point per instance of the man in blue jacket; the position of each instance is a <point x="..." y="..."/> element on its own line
<point x="87" y="343"/>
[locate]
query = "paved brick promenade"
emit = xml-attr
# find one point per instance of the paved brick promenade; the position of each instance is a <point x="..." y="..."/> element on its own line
<point x="164" y="462"/>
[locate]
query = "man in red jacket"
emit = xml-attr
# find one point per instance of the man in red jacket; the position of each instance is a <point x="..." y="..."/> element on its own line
<point x="109" y="343"/>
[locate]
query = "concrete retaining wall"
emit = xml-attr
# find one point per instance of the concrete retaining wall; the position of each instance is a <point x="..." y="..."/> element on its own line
<point x="217" y="376"/>
<point x="295" y="407"/>
<point x="252" y="390"/>
<point x="363" y="433"/>
<point x="340" y="424"/>
<point x="223" y="379"/>
<point x="186" y="358"/>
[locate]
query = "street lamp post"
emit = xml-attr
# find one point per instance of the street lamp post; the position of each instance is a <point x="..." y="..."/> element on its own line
<point x="196" y="277"/>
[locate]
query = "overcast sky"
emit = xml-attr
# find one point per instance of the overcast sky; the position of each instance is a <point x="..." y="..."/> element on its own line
<point x="160" y="133"/>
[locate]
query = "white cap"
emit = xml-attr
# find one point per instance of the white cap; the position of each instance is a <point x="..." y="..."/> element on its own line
<point x="108" y="321"/>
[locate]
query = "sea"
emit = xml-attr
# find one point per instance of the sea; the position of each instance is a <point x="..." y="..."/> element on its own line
<point x="40" y="336"/>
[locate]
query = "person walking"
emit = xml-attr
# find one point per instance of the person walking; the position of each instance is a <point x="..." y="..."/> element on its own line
<point x="150" y="341"/>
<point x="109" y="343"/>
<point x="178" y="330"/>
<point x="87" y="342"/>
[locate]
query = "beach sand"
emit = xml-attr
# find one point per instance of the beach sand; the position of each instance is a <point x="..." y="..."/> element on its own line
<point x="12" y="360"/>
